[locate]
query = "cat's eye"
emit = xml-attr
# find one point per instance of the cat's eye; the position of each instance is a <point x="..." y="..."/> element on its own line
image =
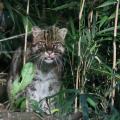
<point x="54" y="46"/>
<point x="57" y="44"/>
<point x="42" y="44"/>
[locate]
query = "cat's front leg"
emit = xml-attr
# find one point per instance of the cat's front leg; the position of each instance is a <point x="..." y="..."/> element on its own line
<point x="31" y="96"/>
<point x="45" y="106"/>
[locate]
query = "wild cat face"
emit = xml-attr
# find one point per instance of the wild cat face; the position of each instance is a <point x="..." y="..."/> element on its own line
<point x="48" y="44"/>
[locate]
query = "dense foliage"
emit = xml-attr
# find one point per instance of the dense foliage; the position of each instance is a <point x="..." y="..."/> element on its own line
<point x="91" y="78"/>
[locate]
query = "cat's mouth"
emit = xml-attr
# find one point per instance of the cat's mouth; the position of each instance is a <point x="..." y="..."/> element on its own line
<point x="49" y="57"/>
<point x="49" y="60"/>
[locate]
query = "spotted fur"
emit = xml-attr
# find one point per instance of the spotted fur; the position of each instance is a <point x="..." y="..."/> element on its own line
<point x="46" y="52"/>
<point x="48" y="49"/>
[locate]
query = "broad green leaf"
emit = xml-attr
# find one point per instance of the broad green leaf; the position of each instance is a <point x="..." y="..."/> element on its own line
<point x="15" y="86"/>
<point x="27" y="75"/>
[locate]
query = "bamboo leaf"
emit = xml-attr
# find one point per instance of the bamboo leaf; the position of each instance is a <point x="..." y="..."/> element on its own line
<point x="72" y="28"/>
<point x="107" y="4"/>
<point x="91" y="102"/>
<point x="107" y="30"/>
<point x="67" y="5"/>
<point x="26" y="21"/>
<point x="102" y="21"/>
<point x="8" y="6"/>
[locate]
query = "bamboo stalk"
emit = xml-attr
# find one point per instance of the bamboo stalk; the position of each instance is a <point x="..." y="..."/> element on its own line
<point x="90" y="19"/>
<point x="26" y="33"/>
<point x="79" y="55"/>
<point x="81" y="10"/>
<point x="25" y="44"/>
<point x="77" y="87"/>
<point x="114" y="54"/>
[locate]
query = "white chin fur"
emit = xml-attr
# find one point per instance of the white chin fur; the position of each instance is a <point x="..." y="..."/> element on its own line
<point x="48" y="60"/>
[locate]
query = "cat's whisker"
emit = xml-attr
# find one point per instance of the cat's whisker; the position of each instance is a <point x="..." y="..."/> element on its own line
<point x="59" y="56"/>
<point x="32" y="56"/>
<point x="40" y="62"/>
<point x="60" y="60"/>
<point x="35" y="56"/>
<point x="57" y="64"/>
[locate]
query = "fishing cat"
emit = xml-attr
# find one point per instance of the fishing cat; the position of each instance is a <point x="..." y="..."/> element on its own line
<point x="46" y="53"/>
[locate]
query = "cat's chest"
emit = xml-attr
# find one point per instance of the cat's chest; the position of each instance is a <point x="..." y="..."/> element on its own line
<point x="42" y="76"/>
<point x="43" y="85"/>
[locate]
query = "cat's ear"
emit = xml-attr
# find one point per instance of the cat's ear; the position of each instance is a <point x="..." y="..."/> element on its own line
<point x="36" y="31"/>
<point x="63" y="32"/>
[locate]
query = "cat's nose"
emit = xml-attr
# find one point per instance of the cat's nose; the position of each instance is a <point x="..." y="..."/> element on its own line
<point x="49" y="52"/>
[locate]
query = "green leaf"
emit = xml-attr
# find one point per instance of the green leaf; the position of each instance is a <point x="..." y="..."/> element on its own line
<point x="20" y="103"/>
<point x="26" y="21"/>
<point x="9" y="7"/>
<point x="15" y="86"/>
<point x="67" y="5"/>
<point x="107" y="30"/>
<point x="27" y="75"/>
<point x="91" y="102"/>
<point x="55" y="110"/>
<point x="93" y="48"/>
<point x="107" y="4"/>
<point x="23" y="105"/>
<point x="72" y="28"/>
<point x="103" y="20"/>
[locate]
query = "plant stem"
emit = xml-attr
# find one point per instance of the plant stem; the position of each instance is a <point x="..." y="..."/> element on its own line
<point x="25" y="44"/>
<point x="114" y="54"/>
<point x="79" y="54"/>
<point x="26" y="32"/>
<point x="81" y="10"/>
<point x="90" y="18"/>
<point x="13" y="37"/>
